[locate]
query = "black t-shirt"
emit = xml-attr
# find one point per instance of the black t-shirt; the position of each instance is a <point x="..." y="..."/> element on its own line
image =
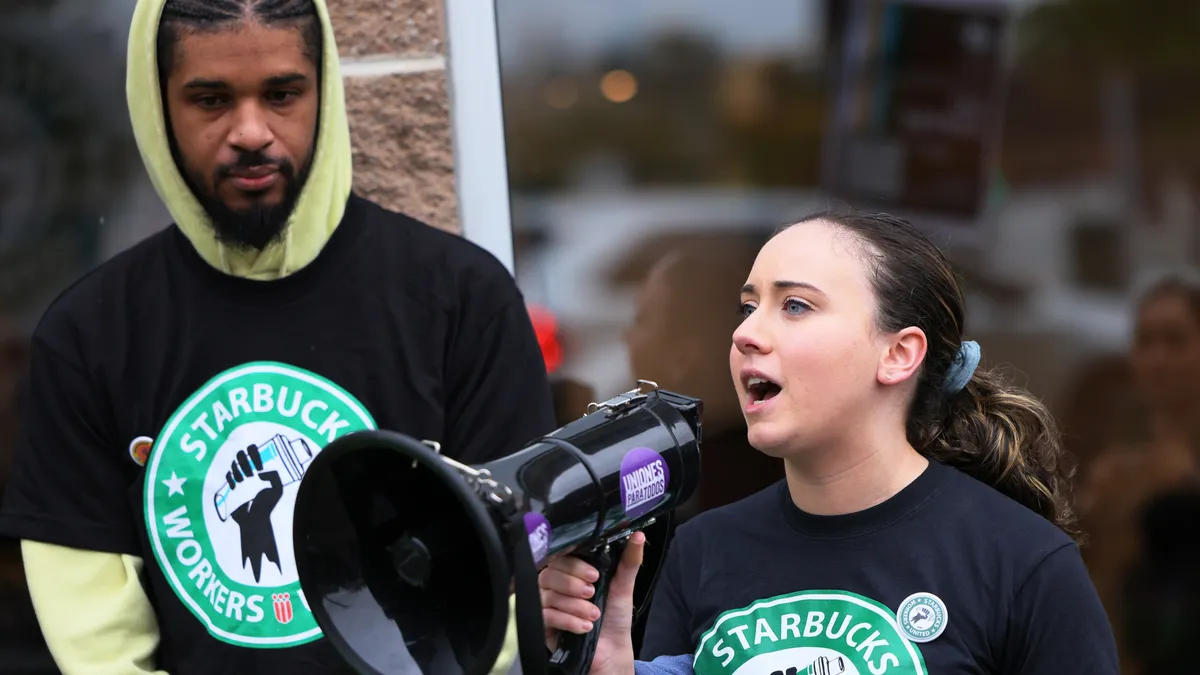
<point x="238" y="383"/>
<point x="947" y="577"/>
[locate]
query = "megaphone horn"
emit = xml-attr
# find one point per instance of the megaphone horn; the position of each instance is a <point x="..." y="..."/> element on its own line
<point x="407" y="557"/>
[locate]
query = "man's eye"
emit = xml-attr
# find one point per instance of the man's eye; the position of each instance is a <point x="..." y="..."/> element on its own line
<point x="209" y="101"/>
<point x="278" y="97"/>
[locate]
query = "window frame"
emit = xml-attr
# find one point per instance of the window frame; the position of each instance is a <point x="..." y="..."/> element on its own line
<point x="477" y="127"/>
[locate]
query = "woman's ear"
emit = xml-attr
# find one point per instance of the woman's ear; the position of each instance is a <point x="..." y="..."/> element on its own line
<point x="903" y="354"/>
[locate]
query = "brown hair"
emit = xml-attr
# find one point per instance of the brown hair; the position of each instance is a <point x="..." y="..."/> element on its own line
<point x="992" y="430"/>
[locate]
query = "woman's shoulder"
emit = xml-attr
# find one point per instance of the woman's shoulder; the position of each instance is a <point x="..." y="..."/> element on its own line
<point x="990" y="515"/>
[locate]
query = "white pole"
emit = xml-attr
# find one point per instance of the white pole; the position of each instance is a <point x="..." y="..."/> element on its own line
<point x="477" y="121"/>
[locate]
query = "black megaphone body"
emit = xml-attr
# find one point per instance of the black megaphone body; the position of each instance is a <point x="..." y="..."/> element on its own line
<point x="408" y="558"/>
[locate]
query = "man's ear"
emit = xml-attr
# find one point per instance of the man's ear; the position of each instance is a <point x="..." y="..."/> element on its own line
<point x="903" y="354"/>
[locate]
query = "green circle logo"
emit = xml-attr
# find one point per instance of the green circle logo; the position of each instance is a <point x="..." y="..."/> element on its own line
<point x="922" y="617"/>
<point x="808" y="633"/>
<point x="219" y="493"/>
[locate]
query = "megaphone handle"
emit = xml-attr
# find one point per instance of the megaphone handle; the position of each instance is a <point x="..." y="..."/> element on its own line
<point x="575" y="652"/>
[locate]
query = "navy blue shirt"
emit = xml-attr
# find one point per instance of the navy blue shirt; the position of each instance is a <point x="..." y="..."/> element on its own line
<point x="949" y="576"/>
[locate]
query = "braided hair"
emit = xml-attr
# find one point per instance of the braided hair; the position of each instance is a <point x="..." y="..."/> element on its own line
<point x="211" y="15"/>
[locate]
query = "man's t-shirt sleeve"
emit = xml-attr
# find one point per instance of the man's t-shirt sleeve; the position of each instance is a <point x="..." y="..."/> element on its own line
<point x="1057" y="625"/>
<point x="68" y="486"/>
<point x="668" y="628"/>
<point x="499" y="393"/>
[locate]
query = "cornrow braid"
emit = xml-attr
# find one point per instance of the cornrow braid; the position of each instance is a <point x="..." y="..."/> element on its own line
<point x="209" y="15"/>
<point x="284" y="10"/>
<point x="204" y="12"/>
<point x="219" y="11"/>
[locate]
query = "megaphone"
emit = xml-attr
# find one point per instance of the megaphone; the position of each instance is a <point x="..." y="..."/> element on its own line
<point x="408" y="558"/>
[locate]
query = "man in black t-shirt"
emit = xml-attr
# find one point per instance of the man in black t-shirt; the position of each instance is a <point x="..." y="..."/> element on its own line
<point x="177" y="393"/>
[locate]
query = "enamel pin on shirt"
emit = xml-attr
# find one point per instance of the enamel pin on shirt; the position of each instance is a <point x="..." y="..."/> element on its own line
<point x="922" y="617"/>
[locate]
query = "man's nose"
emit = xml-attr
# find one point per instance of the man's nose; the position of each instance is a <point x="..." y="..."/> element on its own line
<point x="250" y="131"/>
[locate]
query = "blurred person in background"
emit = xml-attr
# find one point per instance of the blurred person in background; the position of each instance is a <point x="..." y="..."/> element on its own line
<point x="1097" y="407"/>
<point x="175" y="391"/>
<point x="680" y="334"/>
<point x="1127" y="493"/>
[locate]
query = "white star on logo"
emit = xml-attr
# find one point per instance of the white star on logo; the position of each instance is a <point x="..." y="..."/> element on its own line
<point x="175" y="483"/>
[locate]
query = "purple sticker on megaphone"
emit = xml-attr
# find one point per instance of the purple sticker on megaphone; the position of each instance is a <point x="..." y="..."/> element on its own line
<point x="538" y="530"/>
<point x="644" y="480"/>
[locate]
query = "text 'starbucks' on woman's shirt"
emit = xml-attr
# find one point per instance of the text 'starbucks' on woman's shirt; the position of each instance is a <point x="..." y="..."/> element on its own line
<point x="947" y="577"/>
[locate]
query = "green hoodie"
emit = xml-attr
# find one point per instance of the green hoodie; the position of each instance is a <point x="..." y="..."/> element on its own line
<point x="319" y="209"/>
<point x="92" y="608"/>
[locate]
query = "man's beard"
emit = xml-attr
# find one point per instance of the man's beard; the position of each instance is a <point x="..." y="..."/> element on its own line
<point x="261" y="224"/>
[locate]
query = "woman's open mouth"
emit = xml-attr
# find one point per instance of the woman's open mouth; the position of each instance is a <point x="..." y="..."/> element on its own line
<point x="760" y="392"/>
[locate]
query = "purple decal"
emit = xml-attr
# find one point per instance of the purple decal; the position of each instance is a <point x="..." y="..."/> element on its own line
<point x="644" y="480"/>
<point x="538" y="529"/>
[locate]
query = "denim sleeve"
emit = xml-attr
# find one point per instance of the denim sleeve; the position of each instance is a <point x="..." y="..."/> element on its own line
<point x="665" y="665"/>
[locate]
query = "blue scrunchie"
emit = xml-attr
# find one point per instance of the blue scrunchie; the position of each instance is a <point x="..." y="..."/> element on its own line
<point x="963" y="367"/>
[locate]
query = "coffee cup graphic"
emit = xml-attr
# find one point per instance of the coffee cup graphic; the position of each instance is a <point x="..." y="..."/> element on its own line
<point x="287" y="457"/>
<point x="826" y="666"/>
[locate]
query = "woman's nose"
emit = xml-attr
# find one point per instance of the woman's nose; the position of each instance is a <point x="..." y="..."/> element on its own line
<point x="749" y="337"/>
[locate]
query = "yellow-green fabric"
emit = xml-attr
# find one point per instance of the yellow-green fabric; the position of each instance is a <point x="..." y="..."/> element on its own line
<point x="94" y="615"/>
<point x="91" y="607"/>
<point x="322" y="201"/>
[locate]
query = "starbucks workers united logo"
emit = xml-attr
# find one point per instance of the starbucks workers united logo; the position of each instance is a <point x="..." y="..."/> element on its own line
<point x="809" y="633"/>
<point x="220" y="489"/>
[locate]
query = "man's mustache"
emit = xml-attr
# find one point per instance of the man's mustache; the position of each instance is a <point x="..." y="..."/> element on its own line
<point x="246" y="160"/>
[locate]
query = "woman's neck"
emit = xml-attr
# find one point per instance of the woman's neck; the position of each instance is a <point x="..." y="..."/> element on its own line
<point x="840" y="482"/>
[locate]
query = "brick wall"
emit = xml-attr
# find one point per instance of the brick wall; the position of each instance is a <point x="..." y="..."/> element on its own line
<point x="394" y="60"/>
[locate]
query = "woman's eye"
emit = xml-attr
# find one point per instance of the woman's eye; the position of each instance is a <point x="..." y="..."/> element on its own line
<point x="794" y="306"/>
<point x="745" y="309"/>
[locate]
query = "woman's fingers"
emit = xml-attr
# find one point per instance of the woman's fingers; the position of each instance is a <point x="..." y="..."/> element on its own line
<point x="574" y="567"/>
<point x="576" y="607"/>
<point x="558" y="620"/>
<point x="565" y="583"/>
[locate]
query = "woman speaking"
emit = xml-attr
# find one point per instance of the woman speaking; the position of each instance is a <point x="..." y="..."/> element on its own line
<point x="923" y="525"/>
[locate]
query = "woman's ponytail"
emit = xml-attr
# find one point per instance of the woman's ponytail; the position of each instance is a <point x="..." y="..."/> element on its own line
<point x="1003" y="436"/>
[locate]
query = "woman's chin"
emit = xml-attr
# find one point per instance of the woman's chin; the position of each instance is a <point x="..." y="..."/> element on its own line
<point x="767" y="440"/>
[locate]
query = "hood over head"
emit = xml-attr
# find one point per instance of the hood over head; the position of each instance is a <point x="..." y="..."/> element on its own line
<point x="321" y="203"/>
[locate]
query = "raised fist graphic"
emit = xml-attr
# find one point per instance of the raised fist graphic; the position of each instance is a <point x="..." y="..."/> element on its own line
<point x="253" y="515"/>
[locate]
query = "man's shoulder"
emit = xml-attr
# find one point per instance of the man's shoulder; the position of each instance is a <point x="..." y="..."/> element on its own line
<point x="95" y="293"/>
<point x="430" y="247"/>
